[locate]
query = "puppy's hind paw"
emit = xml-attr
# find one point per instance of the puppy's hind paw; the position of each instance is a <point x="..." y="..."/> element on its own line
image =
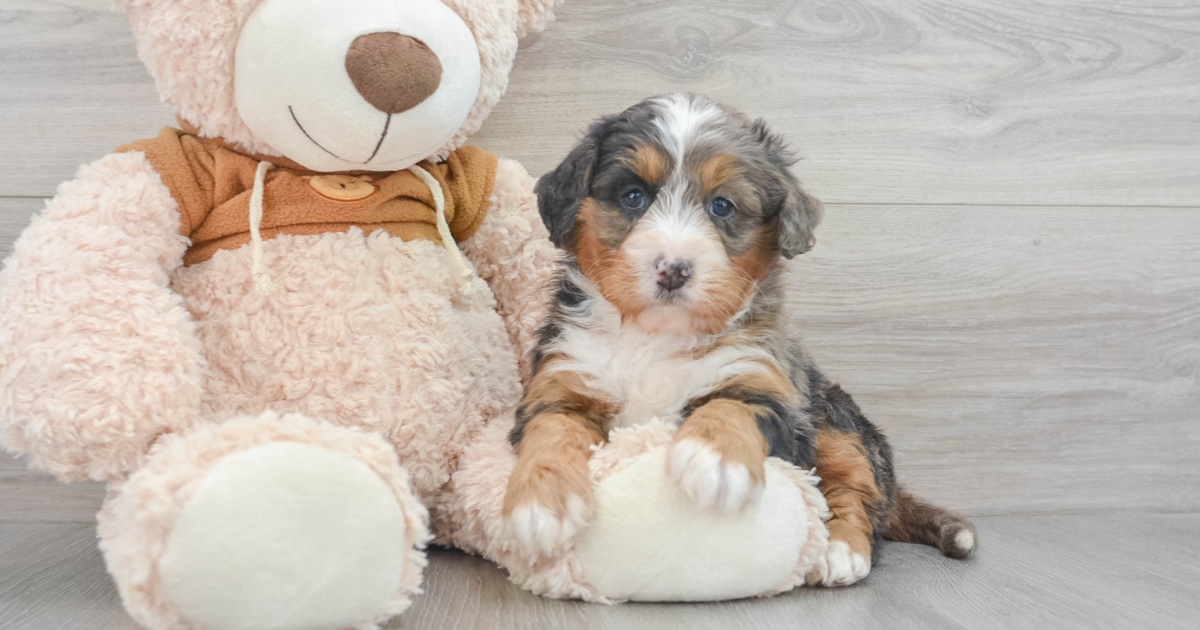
<point x="839" y="566"/>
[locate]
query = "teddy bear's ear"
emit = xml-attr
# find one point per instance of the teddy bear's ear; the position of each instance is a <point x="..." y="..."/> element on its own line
<point x="534" y="15"/>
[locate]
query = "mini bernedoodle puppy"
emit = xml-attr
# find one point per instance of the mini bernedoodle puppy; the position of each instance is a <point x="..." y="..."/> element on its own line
<point x="670" y="304"/>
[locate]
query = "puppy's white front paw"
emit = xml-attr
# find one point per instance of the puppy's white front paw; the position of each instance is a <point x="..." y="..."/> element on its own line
<point x="839" y="566"/>
<point x="540" y="531"/>
<point x="707" y="480"/>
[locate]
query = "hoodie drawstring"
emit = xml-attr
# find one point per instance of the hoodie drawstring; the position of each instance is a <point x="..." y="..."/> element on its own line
<point x="443" y="226"/>
<point x="258" y="269"/>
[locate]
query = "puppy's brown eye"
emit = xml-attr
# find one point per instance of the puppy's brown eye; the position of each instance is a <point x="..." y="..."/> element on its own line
<point x="721" y="207"/>
<point x="633" y="199"/>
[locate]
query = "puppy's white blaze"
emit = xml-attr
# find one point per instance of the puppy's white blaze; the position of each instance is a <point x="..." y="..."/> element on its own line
<point x="964" y="540"/>
<point x="538" y="530"/>
<point x="683" y="122"/>
<point x="672" y="230"/>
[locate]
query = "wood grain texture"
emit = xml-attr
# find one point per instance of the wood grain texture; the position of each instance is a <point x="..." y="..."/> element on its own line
<point x="1125" y="571"/>
<point x="32" y="497"/>
<point x="1020" y="359"/>
<point x="921" y="101"/>
<point x="71" y="90"/>
<point x="917" y="101"/>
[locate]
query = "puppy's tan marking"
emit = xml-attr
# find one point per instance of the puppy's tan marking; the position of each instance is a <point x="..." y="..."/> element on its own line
<point x="849" y="487"/>
<point x="552" y="464"/>
<point x="717" y="170"/>
<point x="760" y="257"/>
<point x="612" y="273"/>
<point x="729" y="289"/>
<point x="651" y="164"/>
<point x="564" y="392"/>
<point x="768" y="380"/>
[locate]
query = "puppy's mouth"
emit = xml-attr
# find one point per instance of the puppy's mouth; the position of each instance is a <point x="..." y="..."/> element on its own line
<point x="382" y="135"/>
<point x="670" y="296"/>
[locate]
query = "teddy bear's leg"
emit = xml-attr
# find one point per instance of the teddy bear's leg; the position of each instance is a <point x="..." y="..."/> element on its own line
<point x="266" y="522"/>
<point x="648" y="540"/>
<point x="469" y="517"/>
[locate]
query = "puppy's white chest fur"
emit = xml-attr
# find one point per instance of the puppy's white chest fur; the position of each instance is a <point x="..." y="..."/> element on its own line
<point x="647" y="374"/>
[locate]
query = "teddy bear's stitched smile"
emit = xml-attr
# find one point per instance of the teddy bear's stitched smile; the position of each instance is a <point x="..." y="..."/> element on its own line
<point x="387" y="123"/>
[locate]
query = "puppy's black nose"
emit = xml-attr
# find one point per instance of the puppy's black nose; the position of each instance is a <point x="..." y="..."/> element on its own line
<point x="672" y="275"/>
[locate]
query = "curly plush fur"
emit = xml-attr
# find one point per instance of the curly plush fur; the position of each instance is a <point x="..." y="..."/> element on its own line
<point x="188" y="45"/>
<point x="119" y="363"/>
<point x="70" y="398"/>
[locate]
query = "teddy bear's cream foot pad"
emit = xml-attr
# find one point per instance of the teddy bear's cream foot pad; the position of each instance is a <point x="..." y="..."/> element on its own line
<point x="648" y="541"/>
<point x="266" y="522"/>
<point x="286" y="536"/>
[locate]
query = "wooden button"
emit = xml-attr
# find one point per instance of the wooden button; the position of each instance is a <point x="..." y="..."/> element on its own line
<point x="343" y="187"/>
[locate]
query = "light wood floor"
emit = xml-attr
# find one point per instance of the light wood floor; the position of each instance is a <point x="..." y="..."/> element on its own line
<point x="1008" y="281"/>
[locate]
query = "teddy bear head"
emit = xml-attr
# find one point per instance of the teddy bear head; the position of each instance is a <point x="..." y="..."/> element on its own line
<point x="374" y="85"/>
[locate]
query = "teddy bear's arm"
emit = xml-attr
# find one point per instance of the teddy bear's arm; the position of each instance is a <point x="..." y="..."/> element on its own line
<point x="513" y="254"/>
<point x="98" y="356"/>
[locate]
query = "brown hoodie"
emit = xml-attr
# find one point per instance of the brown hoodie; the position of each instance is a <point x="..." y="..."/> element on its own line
<point x="212" y="183"/>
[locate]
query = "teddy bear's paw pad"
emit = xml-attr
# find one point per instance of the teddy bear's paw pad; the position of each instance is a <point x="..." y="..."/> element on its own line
<point x="839" y="566"/>
<point x="539" y="531"/>
<point x="286" y="535"/>
<point x="647" y="540"/>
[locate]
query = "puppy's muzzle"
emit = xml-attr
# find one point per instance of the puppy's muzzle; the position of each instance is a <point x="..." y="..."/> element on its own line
<point x="672" y="274"/>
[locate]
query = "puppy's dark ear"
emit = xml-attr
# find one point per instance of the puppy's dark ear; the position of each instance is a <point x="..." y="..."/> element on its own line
<point x="561" y="191"/>
<point x="798" y="212"/>
<point x="798" y="220"/>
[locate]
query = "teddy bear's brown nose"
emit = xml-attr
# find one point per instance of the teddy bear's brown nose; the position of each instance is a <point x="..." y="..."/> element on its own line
<point x="393" y="72"/>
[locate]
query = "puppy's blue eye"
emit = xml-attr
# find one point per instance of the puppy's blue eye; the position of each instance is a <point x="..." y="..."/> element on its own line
<point x="633" y="200"/>
<point x="721" y="207"/>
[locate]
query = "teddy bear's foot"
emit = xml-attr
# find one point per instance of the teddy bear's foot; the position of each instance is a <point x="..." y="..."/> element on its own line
<point x="649" y="541"/>
<point x="266" y="522"/>
<point x="285" y="535"/>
